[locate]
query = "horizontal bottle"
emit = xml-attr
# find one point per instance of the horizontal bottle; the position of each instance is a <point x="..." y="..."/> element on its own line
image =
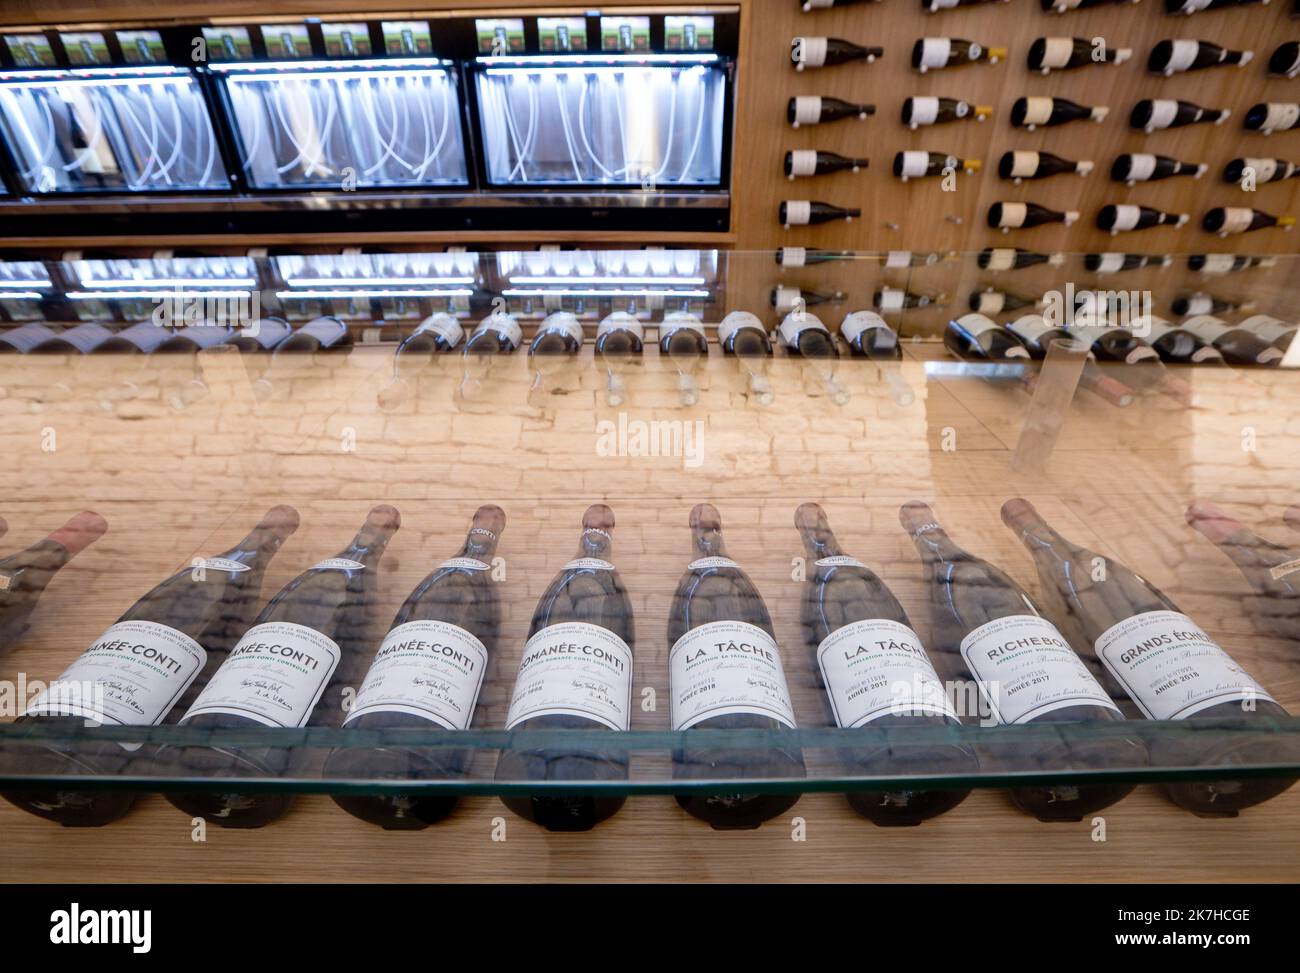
<point x="1021" y="216"/>
<point x="1198" y="303"/>
<point x="785" y="299"/>
<point x="1179" y="346"/>
<point x="1048" y="54"/>
<point x="975" y="337"/>
<point x="1218" y="264"/>
<point x="1065" y="6"/>
<point x="1284" y="62"/>
<point x="816" y="110"/>
<point x="1247" y="171"/>
<point x="808" y="256"/>
<point x="25" y="574"/>
<point x="918" y="165"/>
<point x="1019" y="166"/>
<point x="889" y="299"/>
<point x="1176" y="56"/>
<point x="868" y="335"/>
<point x="803" y="212"/>
<point x="1037" y="334"/>
<point x="810" y="162"/>
<point x="932" y="53"/>
<point x="934" y="6"/>
<point x="497" y="334"/>
<point x="899" y="259"/>
<point x="990" y="302"/>
<point x="1230" y="220"/>
<point x="1032" y="112"/>
<point x="1268" y="117"/>
<point x="1125" y="217"/>
<point x="1113" y="263"/>
<point x="1159" y="113"/>
<point x="1239" y="345"/>
<point x="1280" y="334"/>
<point x="620" y="342"/>
<point x="807" y="6"/>
<point x="921" y="110"/>
<point x="996" y="258"/>
<point x="1133" y="168"/>
<point x="803" y="335"/>
<point x="822" y="52"/>
<point x="684" y="344"/>
<point x="743" y="337"/>
<point x="1189" y="7"/>
<point x="324" y="333"/>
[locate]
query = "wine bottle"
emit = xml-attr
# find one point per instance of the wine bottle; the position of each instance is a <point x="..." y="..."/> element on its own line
<point x="984" y="624"/>
<point x="1048" y="54"/>
<point x="1269" y="568"/>
<point x="809" y="162"/>
<point x="804" y="335"/>
<point x="1136" y="167"/>
<point x="947" y="52"/>
<point x="1199" y="303"/>
<point x="290" y="669"/>
<point x="150" y="662"/>
<point x="1151" y="114"/>
<point x="426" y="674"/>
<point x="785" y="298"/>
<point x="868" y="335"/>
<point x="809" y="5"/>
<point x="1245" y="171"/>
<point x="1284" y="62"/>
<point x="893" y="299"/>
<point x="437" y="334"/>
<point x="1029" y="113"/>
<point x="916" y="165"/>
<point x="934" y="6"/>
<point x="1037" y="335"/>
<point x="265" y="334"/>
<point x="1126" y="217"/>
<point x="1280" y="334"/>
<point x="921" y="110"/>
<point x="822" y="52"/>
<point x="975" y="337"/>
<point x="725" y="673"/>
<point x="575" y="674"/>
<point x="557" y="341"/>
<point x="1019" y="166"/>
<point x="802" y="212"/>
<point x="808" y="256"/>
<point x="620" y="340"/>
<point x="995" y="258"/>
<point x="1113" y="263"/>
<point x="743" y="337"/>
<point x="497" y="334"/>
<point x="1170" y="57"/>
<point x="1190" y="7"/>
<point x="25" y="574"/>
<point x="816" y="109"/>
<point x="1273" y="116"/>
<point x="1065" y="6"/>
<point x="1238" y="345"/>
<point x="1218" y="264"/>
<point x="1178" y="345"/>
<point x="874" y="671"/>
<point x="1112" y="342"/>
<point x="1158" y="656"/>
<point x="989" y="302"/>
<point x="900" y="259"/>
<point x="1022" y="216"/>
<point x="324" y="333"/>
<point x="1229" y="220"/>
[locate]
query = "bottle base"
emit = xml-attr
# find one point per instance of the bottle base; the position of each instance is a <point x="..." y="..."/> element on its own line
<point x="564" y="814"/>
<point x="736" y="812"/>
<point x="1067" y="803"/>
<point x="904" y="809"/>
<point x="1225" y="798"/>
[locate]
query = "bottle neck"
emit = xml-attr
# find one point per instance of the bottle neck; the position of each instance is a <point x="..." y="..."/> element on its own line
<point x="820" y="542"/>
<point x="934" y="545"/>
<point x="708" y="541"/>
<point x="596" y="542"/>
<point x="480" y="544"/>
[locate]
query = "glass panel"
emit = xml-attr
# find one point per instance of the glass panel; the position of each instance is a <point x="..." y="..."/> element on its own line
<point x="112" y="129"/>
<point x="356" y="124"/>
<point x="596" y="124"/>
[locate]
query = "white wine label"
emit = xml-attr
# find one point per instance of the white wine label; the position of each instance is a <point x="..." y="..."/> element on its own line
<point x="725" y="668"/>
<point x="445" y="326"/>
<point x="856" y="323"/>
<point x="790" y="257"/>
<point x="975" y="324"/>
<point x="839" y="561"/>
<point x="1206" y="327"/>
<point x="1264" y="169"/>
<point x="925" y="110"/>
<point x="807" y="110"/>
<point x="943" y="4"/>
<point x="1141" y="166"/>
<point x="1026" y="668"/>
<point x="1268" y="327"/>
<point x="803" y="162"/>
<point x="465" y="563"/>
<point x="1110" y="263"/>
<point x="275" y="675"/>
<point x="1281" y="116"/>
<point x="620" y="321"/>
<point x="896" y="259"/>
<point x="892" y="299"/>
<point x="705" y="563"/>
<point x="809" y="51"/>
<point x="1001" y="259"/>
<point x="934" y="52"/>
<point x="679" y="320"/>
<point x="736" y="320"/>
<point x="224" y="564"/>
<point x="1031" y="327"/>
<point x="1126" y="217"/>
<point x="1236" y="219"/>
<point x="1182" y="55"/>
<point x="792" y="325"/>
<point x="1023" y="165"/>
<point x="574" y="669"/>
<point x="914" y="164"/>
<point x="425" y="668"/>
<point x="338" y="564"/>
<point x="1199" y="304"/>
<point x="504" y="324"/>
<point x="564" y="323"/>
<point x="784" y="298"/>
<point x="1163" y="113"/>
<point x="797" y="211"/>
<point x="876" y="667"/>
<point x="1038" y="111"/>
<point x="131" y="676"/>
<point x="1013" y="215"/>
<point x="1218" y="263"/>
<point x="1280" y="571"/>
<point x="1171" y="668"/>
<point x="990" y="302"/>
<point x="1057" y="51"/>
<point x="588" y="564"/>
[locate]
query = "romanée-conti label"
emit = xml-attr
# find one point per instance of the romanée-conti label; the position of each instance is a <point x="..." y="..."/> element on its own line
<point x="704" y="563"/>
<point x="224" y="564"/>
<point x="465" y="563"/>
<point x="131" y="676"/>
<point x="275" y="675"/>
<point x="725" y="668"/>
<point x="839" y="561"/>
<point x="425" y="668"/>
<point x="1025" y="668"/>
<point x="1171" y="668"/>
<point x="589" y="564"/>
<point x="876" y="667"/>
<point x="338" y="564"/>
<point x="574" y="669"/>
<point x="1280" y="571"/>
